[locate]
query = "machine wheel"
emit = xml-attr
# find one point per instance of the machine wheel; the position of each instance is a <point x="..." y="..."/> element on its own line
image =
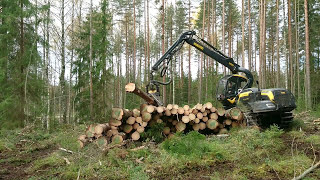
<point x="285" y="119"/>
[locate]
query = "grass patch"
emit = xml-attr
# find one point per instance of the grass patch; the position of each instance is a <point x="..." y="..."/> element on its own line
<point x="193" y="143"/>
<point x="52" y="161"/>
<point x="246" y="154"/>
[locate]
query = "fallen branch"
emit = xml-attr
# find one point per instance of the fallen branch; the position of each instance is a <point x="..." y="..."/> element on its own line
<point x="66" y="150"/>
<point x="137" y="148"/>
<point x="307" y="171"/>
<point x="67" y="161"/>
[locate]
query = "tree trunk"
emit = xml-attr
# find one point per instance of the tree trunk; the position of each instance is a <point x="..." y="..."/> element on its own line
<point x="189" y="59"/>
<point x="134" y="41"/>
<point x="223" y="34"/>
<point x="278" y="48"/>
<point x="91" y="63"/>
<point x="308" y="87"/>
<point x="290" y="48"/>
<point x="242" y="27"/>
<point x="163" y="51"/>
<point x="296" y="21"/>
<point x="249" y="34"/>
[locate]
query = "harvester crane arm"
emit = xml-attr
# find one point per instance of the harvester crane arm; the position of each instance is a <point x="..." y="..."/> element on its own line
<point x="203" y="46"/>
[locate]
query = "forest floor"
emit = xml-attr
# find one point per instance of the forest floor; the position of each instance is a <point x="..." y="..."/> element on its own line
<point x="245" y="154"/>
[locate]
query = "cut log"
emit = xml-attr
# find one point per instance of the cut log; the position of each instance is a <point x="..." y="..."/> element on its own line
<point x="100" y="128"/>
<point x="213" y="109"/>
<point x="143" y="108"/>
<point x="117" y="139"/>
<point x="235" y="124"/>
<point x="102" y="142"/>
<point x="203" y="109"/>
<point x="198" y="106"/>
<point x="127" y="128"/>
<point x="175" y="106"/>
<point x="90" y="131"/>
<point x="223" y="131"/>
<point x="180" y="110"/>
<point x="81" y="144"/>
<point x="140" y="129"/>
<point x="167" y="112"/>
<point x="205" y="119"/>
<point x="221" y="125"/>
<point x="202" y="125"/>
<point x="119" y="113"/>
<point x="196" y="127"/>
<point x="159" y="121"/>
<point x="196" y="120"/>
<point x="166" y="130"/>
<point x="186" y="107"/>
<point x="150" y="109"/>
<point x="135" y="125"/>
<point x="212" y="124"/>
<point x="135" y="136"/>
<point x="170" y="136"/>
<point x="180" y="126"/>
<point x="114" y="132"/>
<point x="139" y="119"/>
<point x="227" y="122"/>
<point x="136" y="112"/>
<point x="195" y="111"/>
<point x="199" y="115"/>
<point x="131" y="120"/>
<point x="186" y="113"/>
<point x="160" y="109"/>
<point x="185" y="119"/>
<point x="109" y="133"/>
<point x="174" y="111"/>
<point x="174" y="122"/>
<point x="146" y="116"/>
<point x="113" y="127"/>
<point x="236" y="114"/>
<point x="169" y="106"/>
<point x="170" y="120"/>
<point x="83" y="138"/>
<point x="221" y="111"/>
<point x="132" y="88"/>
<point x="192" y="117"/>
<point x="115" y="122"/>
<point x="213" y="116"/>
<point x="205" y="113"/>
<point x="144" y="124"/>
<point x="209" y="105"/>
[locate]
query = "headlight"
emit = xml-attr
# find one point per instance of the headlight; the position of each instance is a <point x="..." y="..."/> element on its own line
<point x="270" y="105"/>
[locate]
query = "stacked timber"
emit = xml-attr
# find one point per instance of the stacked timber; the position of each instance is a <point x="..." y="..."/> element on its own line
<point x="130" y="124"/>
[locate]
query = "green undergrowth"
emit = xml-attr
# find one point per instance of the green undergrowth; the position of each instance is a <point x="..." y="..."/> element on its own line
<point x="245" y="154"/>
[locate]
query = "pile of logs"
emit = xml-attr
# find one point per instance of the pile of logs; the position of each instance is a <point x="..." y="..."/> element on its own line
<point x="126" y="124"/>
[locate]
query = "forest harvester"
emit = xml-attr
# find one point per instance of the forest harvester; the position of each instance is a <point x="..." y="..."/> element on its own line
<point x="263" y="107"/>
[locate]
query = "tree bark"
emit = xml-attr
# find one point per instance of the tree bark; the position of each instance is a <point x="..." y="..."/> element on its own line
<point x="223" y="34"/>
<point x="278" y="47"/>
<point x="242" y="29"/>
<point x="290" y="48"/>
<point x="163" y="51"/>
<point x="308" y="87"/>
<point x="134" y="41"/>
<point x="250" y="38"/>
<point x="91" y="61"/>
<point x="189" y="59"/>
